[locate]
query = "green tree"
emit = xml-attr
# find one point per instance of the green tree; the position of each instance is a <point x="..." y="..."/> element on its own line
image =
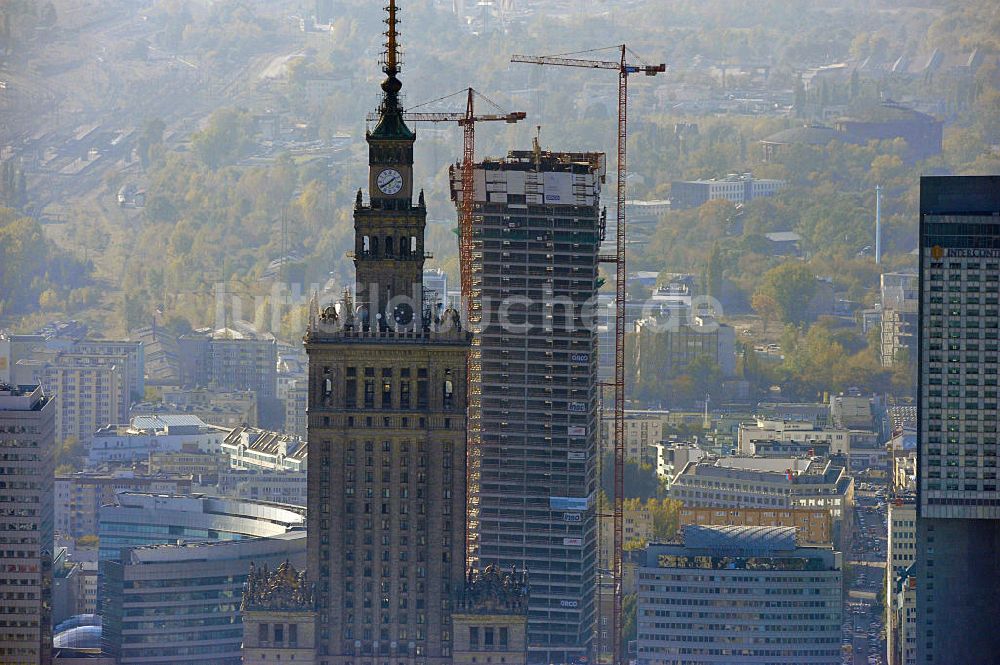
<point x="225" y="139"/>
<point x="666" y="518"/>
<point x="70" y="452"/>
<point x="791" y="286"/>
<point x="640" y="479"/>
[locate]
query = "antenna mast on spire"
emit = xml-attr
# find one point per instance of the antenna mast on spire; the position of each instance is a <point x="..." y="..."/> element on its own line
<point x="391" y="56"/>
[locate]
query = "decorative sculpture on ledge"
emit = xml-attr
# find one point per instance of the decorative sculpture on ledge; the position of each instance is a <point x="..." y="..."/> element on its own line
<point x="492" y="590"/>
<point x="283" y="589"/>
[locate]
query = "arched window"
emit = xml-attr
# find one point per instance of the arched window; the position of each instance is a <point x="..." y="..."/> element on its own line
<point x="366" y="245"/>
<point x="374" y="249"/>
<point x="404" y="249"/>
<point x="413" y="245"/>
<point x="388" y="246"/>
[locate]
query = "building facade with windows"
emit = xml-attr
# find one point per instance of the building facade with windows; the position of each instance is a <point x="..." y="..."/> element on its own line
<point x="387" y="428"/>
<point x="958" y="505"/>
<point x="180" y="603"/>
<point x="536" y="241"/>
<point x="734" y="594"/>
<point x="27" y="442"/>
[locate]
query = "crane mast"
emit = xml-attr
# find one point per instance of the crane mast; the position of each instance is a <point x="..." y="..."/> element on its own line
<point x="624" y="69"/>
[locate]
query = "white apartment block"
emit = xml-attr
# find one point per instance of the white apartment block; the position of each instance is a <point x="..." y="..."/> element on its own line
<point x="253" y="448"/>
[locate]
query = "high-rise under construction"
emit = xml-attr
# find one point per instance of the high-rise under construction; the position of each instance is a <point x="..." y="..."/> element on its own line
<point x="534" y="403"/>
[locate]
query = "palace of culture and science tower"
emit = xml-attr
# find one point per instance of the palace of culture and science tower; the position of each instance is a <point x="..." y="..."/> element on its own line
<point x="387" y="429"/>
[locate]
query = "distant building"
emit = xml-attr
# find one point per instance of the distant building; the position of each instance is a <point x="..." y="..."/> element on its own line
<point x="735" y="188"/>
<point x="665" y="350"/>
<point x="637" y="531"/>
<point x="813" y="526"/>
<point x="27" y="438"/>
<point x="811" y="135"/>
<point x="890" y="120"/>
<point x="202" y="467"/>
<point x="276" y="486"/>
<point x="74" y="587"/>
<point x="141" y="624"/>
<point x="900" y="599"/>
<point x="840" y="441"/>
<point x="135" y="519"/>
<point x="671" y="458"/>
<point x="88" y="392"/>
<point x="899" y="316"/>
<point x="232" y="360"/>
<point x="279" y="616"/>
<point x="784" y="243"/>
<point x="852" y="412"/>
<point x="92" y="381"/>
<point x="901" y="629"/>
<point x="79" y="496"/>
<point x="643" y="430"/>
<point x="754" y="482"/>
<point x="227" y="409"/>
<point x="687" y="609"/>
<point x="436" y="287"/>
<point x="816" y="413"/>
<point x="161" y="354"/>
<point x="772" y="448"/>
<point x="124" y="444"/>
<point x="296" y="398"/>
<point x="253" y="448"/>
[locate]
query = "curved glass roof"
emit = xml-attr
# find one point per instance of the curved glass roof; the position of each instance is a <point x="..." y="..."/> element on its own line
<point x="81" y="637"/>
<point x="740" y="539"/>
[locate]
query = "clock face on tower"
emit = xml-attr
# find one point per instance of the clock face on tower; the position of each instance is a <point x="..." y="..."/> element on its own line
<point x="389" y="181"/>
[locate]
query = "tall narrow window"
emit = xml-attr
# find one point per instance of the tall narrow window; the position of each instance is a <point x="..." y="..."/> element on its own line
<point x="388" y="246"/>
<point x="404" y="394"/>
<point x="351" y="388"/>
<point x="369" y="393"/>
<point x="387" y="388"/>
<point x="448" y="389"/>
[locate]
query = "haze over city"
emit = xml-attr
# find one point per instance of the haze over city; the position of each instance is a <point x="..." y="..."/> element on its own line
<point x="507" y="332"/>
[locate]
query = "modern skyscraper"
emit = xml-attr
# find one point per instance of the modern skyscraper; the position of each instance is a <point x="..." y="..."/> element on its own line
<point x="27" y="443"/>
<point x="958" y="506"/>
<point x="387" y="426"/>
<point x="536" y="239"/>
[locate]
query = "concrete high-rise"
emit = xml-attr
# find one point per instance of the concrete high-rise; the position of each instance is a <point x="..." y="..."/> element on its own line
<point x="739" y="594"/>
<point x="958" y="506"/>
<point x="386" y="429"/>
<point x="27" y="443"/>
<point x="536" y="239"/>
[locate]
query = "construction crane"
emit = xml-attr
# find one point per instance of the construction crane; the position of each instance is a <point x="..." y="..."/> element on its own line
<point x="624" y="69"/>
<point x="467" y="121"/>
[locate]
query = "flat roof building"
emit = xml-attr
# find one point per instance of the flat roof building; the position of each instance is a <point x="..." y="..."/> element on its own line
<point x="739" y="594"/>
<point x="756" y="482"/>
<point x="133" y="442"/>
<point x="180" y="603"/>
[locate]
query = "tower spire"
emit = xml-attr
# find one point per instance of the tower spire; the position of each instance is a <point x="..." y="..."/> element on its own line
<point x="390" y="122"/>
